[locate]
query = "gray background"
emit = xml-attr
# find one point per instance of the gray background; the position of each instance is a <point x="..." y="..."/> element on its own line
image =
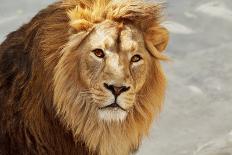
<point x="198" y="102"/>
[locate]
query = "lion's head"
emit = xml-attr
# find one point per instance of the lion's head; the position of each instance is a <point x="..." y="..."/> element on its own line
<point x="108" y="83"/>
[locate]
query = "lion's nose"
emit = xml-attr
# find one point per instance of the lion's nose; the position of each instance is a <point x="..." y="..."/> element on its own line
<point x="116" y="91"/>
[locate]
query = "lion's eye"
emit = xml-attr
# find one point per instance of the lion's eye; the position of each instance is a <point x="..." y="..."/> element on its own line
<point x="99" y="53"/>
<point x="136" y="58"/>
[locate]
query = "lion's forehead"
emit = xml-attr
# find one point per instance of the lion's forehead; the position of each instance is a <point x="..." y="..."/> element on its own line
<point x="110" y="37"/>
<point x="104" y="38"/>
<point x="128" y="43"/>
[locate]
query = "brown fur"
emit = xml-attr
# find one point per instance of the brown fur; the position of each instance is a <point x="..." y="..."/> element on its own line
<point x="41" y="109"/>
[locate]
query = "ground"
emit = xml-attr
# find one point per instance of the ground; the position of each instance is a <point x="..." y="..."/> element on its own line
<point x="197" y="115"/>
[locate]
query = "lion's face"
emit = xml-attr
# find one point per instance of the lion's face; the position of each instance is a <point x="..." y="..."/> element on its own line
<point x="108" y="81"/>
<point x="114" y="66"/>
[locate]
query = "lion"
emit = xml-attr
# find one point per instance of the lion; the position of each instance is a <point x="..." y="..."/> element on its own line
<point x="82" y="77"/>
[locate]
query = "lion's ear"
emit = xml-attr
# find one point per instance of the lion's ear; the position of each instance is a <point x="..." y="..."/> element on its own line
<point x="156" y="39"/>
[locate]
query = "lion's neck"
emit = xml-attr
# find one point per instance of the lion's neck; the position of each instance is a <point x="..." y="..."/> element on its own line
<point x="111" y="138"/>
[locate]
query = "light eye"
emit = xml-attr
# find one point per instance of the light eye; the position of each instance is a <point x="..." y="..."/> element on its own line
<point x="99" y="53"/>
<point x="136" y="58"/>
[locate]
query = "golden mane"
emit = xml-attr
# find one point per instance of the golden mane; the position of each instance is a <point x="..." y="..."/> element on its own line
<point x="138" y="12"/>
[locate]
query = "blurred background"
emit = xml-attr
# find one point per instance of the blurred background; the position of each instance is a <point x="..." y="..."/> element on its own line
<point x="197" y="115"/>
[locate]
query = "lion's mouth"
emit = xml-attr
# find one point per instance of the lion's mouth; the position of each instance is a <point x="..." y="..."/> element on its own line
<point x="114" y="106"/>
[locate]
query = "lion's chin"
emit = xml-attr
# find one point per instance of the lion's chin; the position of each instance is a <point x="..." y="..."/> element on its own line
<point x="112" y="114"/>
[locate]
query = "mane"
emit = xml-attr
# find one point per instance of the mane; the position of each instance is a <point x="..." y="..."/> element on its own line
<point x="139" y="13"/>
<point x="37" y="75"/>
